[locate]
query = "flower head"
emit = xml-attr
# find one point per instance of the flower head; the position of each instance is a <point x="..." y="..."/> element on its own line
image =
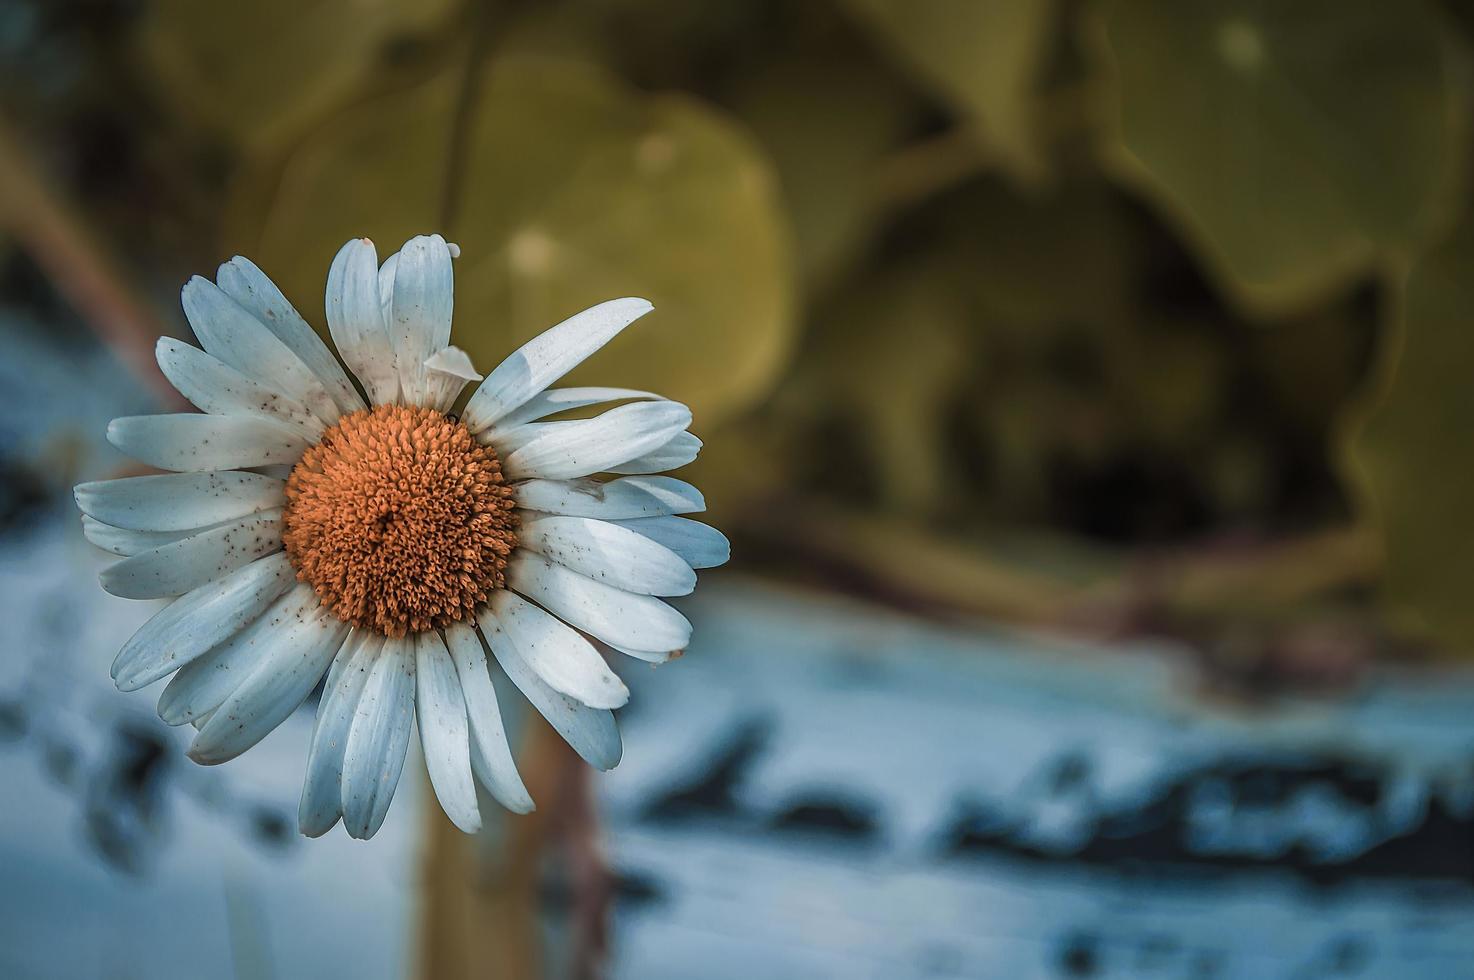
<point x="316" y="526"/>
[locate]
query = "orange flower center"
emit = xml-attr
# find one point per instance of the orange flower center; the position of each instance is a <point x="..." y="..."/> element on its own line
<point x="399" y="520"/>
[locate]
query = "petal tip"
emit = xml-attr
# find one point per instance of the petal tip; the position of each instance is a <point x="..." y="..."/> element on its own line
<point x="315" y="824"/>
<point x="467" y="824"/>
<point x="200" y="755"/>
<point x="611" y="702"/>
<point x="358" y="832"/>
<point x="637" y="307"/>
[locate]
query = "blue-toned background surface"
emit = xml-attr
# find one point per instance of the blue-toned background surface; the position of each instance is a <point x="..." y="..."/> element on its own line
<point x="818" y="788"/>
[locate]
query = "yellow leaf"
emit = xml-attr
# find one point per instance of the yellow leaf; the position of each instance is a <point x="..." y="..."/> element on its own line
<point x="576" y="190"/>
<point x="1415" y="454"/>
<point x="258" y="70"/>
<point x="803" y="108"/>
<point x="1293" y="143"/>
<point x="984" y="56"/>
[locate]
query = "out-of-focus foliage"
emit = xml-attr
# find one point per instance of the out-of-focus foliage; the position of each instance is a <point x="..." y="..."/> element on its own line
<point x="884" y="392"/>
<point x="258" y="70"/>
<point x="1414" y="452"/>
<point x="577" y="190"/>
<point x="825" y="159"/>
<point x="1295" y="142"/>
<point x="984" y="56"/>
<point x="1123" y="271"/>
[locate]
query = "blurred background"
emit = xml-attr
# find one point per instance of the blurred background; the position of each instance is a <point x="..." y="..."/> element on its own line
<point x="1086" y="391"/>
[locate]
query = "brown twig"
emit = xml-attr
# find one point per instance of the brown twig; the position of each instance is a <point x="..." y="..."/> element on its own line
<point x="478" y="916"/>
<point x="1257" y="616"/>
<point x="899" y="564"/>
<point x="76" y="265"/>
<point x="457" y="150"/>
<point x="588" y="871"/>
<point x="928" y="167"/>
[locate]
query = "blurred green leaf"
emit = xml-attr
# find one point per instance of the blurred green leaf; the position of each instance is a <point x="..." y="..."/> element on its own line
<point x="969" y="354"/>
<point x="1172" y="380"/>
<point x="984" y="56"/>
<point x="1292" y="142"/>
<point x="1413" y="455"/>
<point x="888" y="357"/>
<point x="257" y="71"/>
<point x="577" y="190"/>
<point x="1314" y="364"/>
<point x="826" y="106"/>
<point x="1039" y="258"/>
<point x="825" y="151"/>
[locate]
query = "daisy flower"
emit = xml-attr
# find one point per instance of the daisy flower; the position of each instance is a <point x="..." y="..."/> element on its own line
<point x="316" y="526"/>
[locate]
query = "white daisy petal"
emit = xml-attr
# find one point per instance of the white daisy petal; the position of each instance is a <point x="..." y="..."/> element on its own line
<point x="637" y="622"/>
<point x="627" y="497"/>
<point x="570" y="449"/>
<point x="203" y="684"/>
<point x="193" y="443"/>
<point x="213" y="386"/>
<point x="373" y="756"/>
<point x="121" y="541"/>
<point x="199" y="620"/>
<point x="179" y="501"/>
<point x="303" y="639"/>
<point x="453" y="361"/>
<point x="591" y="732"/>
<point x="649" y="656"/>
<point x="444" y="735"/>
<point x="386" y="284"/>
<point x="243" y="282"/>
<point x="556" y="400"/>
<point x="447" y="372"/>
<point x="607" y="553"/>
<point x="322" y="789"/>
<point x="229" y="332"/>
<point x="356" y="638"/>
<point x="547" y="357"/>
<point x="682" y="449"/>
<point x="175" y="568"/>
<point x="701" y="545"/>
<point x="506" y="442"/>
<point x="565" y="661"/>
<point x="357" y="321"/>
<point x="420" y="311"/>
<point x="491" y="755"/>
